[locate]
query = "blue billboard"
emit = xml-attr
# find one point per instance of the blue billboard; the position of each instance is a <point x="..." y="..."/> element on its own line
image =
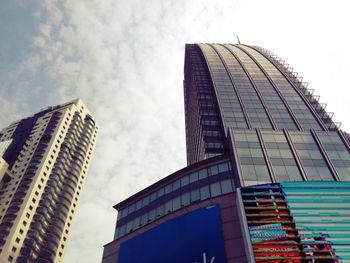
<point x="195" y="237"/>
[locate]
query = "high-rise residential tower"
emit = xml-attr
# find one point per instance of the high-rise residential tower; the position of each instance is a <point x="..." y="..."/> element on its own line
<point x="268" y="177"/>
<point x="45" y="159"/>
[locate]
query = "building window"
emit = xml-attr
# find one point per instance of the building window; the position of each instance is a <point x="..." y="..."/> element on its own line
<point x="314" y="165"/>
<point x="250" y="154"/>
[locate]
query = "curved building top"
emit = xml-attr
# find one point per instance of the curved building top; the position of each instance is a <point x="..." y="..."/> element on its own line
<point x="243" y="87"/>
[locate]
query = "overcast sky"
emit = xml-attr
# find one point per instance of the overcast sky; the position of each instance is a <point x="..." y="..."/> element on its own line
<point x="124" y="59"/>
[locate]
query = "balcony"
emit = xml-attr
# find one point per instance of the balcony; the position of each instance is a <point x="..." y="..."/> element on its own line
<point x="9" y="217"/>
<point x="53" y="238"/>
<point x="13" y="208"/>
<point x="35" y="226"/>
<point x="46" y="257"/>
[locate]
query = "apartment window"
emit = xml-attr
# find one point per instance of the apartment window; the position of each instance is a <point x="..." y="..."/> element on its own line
<point x="17" y="239"/>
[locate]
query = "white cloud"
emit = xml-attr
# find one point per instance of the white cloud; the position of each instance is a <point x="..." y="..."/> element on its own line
<point x="125" y="60"/>
<point x="39" y="42"/>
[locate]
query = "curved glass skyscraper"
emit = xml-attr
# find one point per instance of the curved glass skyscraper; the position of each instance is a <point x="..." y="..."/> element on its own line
<point x="243" y="88"/>
<point x="268" y="170"/>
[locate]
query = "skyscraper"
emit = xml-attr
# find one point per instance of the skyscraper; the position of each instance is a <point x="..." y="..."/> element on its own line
<point x="45" y="159"/>
<point x="268" y="175"/>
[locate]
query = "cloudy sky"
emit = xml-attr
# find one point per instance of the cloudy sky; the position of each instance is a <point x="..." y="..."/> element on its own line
<point x="124" y="58"/>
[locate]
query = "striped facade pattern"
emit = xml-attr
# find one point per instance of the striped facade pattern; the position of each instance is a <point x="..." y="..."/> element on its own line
<point x="298" y="221"/>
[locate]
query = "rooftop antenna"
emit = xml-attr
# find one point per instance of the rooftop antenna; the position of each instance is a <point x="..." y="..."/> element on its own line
<point x="239" y="42"/>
